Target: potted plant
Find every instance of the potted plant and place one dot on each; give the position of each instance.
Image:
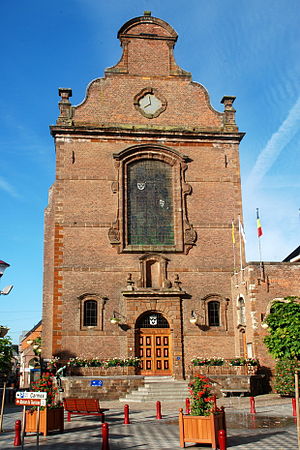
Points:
(52, 415)
(205, 420)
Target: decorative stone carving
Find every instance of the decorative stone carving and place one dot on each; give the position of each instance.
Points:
(65, 106)
(114, 233)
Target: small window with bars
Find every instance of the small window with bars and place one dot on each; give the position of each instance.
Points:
(90, 309)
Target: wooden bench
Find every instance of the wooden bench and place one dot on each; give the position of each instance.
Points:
(241, 392)
(83, 407)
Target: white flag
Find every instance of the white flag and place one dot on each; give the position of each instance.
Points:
(241, 231)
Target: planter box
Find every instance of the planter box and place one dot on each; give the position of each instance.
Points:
(50, 420)
(102, 371)
(201, 429)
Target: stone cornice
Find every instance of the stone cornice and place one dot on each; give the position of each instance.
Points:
(125, 131)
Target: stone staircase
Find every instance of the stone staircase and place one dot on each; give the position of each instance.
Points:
(159, 388)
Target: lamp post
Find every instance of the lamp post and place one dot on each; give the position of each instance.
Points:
(3, 332)
(37, 350)
(3, 267)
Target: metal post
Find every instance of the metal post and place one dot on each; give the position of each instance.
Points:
(126, 415)
(23, 426)
(158, 410)
(297, 404)
(222, 439)
(2, 406)
(38, 428)
(17, 440)
(252, 406)
(294, 408)
(105, 434)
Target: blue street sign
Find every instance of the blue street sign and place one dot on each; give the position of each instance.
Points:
(96, 383)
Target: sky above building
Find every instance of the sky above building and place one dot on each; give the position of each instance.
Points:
(241, 48)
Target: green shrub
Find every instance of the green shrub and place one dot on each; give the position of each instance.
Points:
(285, 376)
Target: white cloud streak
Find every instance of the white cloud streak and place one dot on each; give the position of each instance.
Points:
(285, 133)
(5, 186)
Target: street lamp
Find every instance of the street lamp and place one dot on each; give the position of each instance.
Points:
(3, 267)
(36, 345)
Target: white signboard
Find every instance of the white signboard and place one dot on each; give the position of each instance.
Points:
(30, 402)
(31, 395)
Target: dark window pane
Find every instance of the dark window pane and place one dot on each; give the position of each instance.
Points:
(214, 314)
(150, 203)
(90, 313)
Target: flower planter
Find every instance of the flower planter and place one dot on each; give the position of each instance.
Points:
(102, 371)
(201, 429)
(50, 420)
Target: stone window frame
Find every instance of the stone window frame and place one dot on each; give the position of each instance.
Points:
(223, 312)
(162, 263)
(100, 311)
(213, 313)
(90, 314)
(184, 234)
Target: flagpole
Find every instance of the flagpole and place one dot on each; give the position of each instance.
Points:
(233, 246)
(240, 239)
(259, 234)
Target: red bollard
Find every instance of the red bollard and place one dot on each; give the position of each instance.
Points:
(252, 406)
(222, 439)
(294, 407)
(105, 443)
(17, 441)
(158, 410)
(126, 415)
(187, 406)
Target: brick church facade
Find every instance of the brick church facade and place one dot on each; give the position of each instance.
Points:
(138, 231)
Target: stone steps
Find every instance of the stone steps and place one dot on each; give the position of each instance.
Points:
(158, 388)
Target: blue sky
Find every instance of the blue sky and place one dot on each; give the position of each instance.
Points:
(234, 47)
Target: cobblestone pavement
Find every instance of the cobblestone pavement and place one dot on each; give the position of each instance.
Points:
(272, 428)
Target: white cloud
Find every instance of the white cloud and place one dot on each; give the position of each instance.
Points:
(5, 186)
(285, 133)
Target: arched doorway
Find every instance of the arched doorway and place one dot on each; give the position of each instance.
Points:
(153, 344)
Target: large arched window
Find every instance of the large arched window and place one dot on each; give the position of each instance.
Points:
(150, 218)
(90, 310)
(151, 213)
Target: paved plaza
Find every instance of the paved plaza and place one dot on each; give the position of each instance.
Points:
(272, 428)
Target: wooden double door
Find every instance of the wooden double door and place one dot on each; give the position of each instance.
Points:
(154, 350)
